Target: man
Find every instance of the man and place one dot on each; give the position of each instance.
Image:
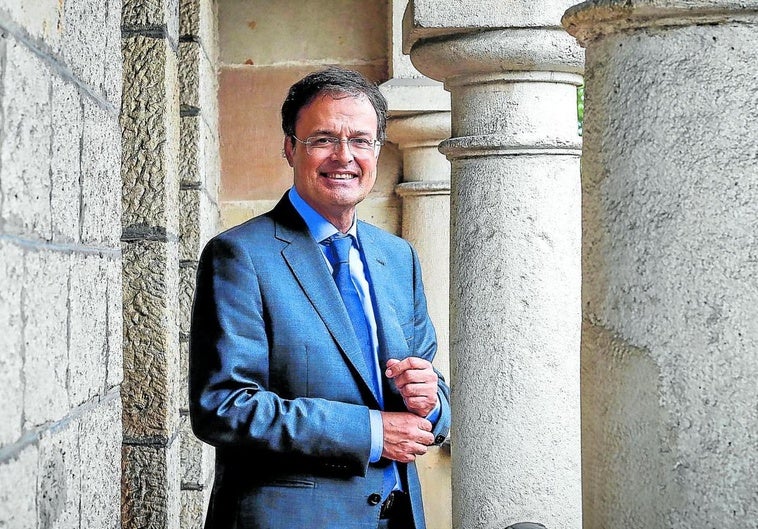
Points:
(311, 345)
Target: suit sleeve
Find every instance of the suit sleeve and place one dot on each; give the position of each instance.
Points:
(230, 401)
(425, 346)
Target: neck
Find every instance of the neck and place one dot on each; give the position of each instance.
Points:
(343, 221)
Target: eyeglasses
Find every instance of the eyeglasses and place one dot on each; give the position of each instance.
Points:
(359, 147)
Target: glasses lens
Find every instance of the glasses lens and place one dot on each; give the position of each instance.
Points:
(357, 146)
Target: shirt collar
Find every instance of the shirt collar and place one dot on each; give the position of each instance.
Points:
(319, 227)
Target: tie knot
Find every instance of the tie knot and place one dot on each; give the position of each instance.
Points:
(342, 245)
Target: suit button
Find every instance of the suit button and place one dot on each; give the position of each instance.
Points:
(374, 499)
(440, 439)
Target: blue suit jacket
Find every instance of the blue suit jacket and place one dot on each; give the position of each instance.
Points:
(278, 383)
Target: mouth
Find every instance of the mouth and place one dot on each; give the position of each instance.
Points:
(339, 176)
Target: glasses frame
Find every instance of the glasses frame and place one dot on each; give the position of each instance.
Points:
(358, 153)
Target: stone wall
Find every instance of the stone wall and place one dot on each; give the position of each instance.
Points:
(60, 263)
(199, 219)
(170, 172)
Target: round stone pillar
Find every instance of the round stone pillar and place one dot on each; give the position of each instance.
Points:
(670, 262)
(425, 191)
(515, 255)
(426, 224)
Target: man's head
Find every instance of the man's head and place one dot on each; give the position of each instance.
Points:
(336, 82)
(334, 122)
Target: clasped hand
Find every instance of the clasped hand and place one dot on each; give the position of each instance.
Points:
(408, 434)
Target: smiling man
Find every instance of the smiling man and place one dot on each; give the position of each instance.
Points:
(311, 346)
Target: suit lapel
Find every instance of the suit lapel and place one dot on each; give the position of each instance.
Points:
(306, 262)
(381, 274)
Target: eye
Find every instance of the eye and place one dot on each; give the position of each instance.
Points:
(362, 143)
(322, 141)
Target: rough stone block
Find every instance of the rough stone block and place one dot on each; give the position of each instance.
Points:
(84, 40)
(139, 14)
(194, 505)
(59, 483)
(11, 360)
(101, 179)
(18, 478)
(191, 153)
(197, 19)
(26, 138)
(88, 322)
(150, 487)
(189, 227)
(150, 123)
(211, 160)
(151, 339)
(100, 453)
(41, 19)
(112, 80)
(197, 457)
(184, 375)
(199, 222)
(197, 76)
(115, 359)
(45, 303)
(65, 163)
(186, 293)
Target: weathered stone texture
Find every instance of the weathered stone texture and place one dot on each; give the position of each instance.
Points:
(151, 336)
(26, 139)
(65, 162)
(197, 458)
(59, 485)
(150, 487)
(194, 504)
(669, 268)
(147, 14)
(18, 478)
(191, 151)
(115, 359)
(101, 178)
(199, 221)
(88, 328)
(100, 454)
(197, 19)
(45, 336)
(84, 44)
(186, 293)
(11, 360)
(197, 76)
(150, 124)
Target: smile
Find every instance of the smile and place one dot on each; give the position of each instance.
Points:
(339, 176)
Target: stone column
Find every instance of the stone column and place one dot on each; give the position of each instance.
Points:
(670, 263)
(426, 210)
(426, 224)
(199, 169)
(515, 225)
(150, 230)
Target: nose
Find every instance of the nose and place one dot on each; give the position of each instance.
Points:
(342, 151)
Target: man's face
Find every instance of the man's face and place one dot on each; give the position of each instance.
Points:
(333, 181)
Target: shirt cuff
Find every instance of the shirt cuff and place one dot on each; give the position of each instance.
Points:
(434, 415)
(377, 435)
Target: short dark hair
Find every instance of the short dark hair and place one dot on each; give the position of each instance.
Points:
(333, 81)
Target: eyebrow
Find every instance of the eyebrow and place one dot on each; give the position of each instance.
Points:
(325, 132)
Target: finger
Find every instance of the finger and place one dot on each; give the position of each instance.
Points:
(418, 389)
(410, 363)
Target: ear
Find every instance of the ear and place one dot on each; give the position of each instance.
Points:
(289, 150)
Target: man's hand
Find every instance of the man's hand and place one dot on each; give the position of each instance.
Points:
(417, 383)
(405, 436)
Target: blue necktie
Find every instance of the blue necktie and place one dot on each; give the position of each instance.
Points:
(346, 287)
(352, 300)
